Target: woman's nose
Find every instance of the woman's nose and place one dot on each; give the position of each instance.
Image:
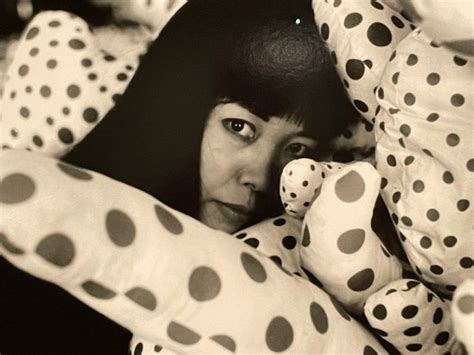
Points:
(259, 169)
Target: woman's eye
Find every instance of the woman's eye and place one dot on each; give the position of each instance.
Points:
(297, 149)
(240, 127)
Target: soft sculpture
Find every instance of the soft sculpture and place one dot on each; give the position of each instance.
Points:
(140, 241)
(61, 84)
(449, 23)
(462, 309)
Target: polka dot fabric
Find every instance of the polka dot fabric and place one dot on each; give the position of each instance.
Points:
(363, 263)
(61, 84)
(412, 318)
(462, 309)
(161, 274)
(361, 37)
(425, 155)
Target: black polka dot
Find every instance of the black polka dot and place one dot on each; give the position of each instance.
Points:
(380, 93)
(306, 237)
(122, 77)
(74, 172)
(73, 91)
(142, 297)
(414, 347)
(37, 141)
(368, 350)
(427, 152)
(181, 334)
(351, 241)
(51, 63)
(470, 165)
(204, 284)
(157, 348)
(28, 89)
(289, 242)
(391, 160)
(90, 115)
(65, 135)
(120, 228)
(392, 56)
(58, 249)
(436, 269)
(292, 195)
(92, 76)
(466, 262)
(34, 51)
(369, 64)
(459, 61)
(32, 33)
(138, 349)
(253, 242)
(305, 183)
(438, 316)
(397, 22)
(383, 183)
(432, 117)
(49, 121)
(380, 332)
(409, 99)
(355, 69)
(24, 112)
(86, 62)
(362, 280)
(76, 44)
(433, 79)
(412, 59)
(452, 139)
(409, 312)
(377, 5)
(396, 196)
(66, 111)
(97, 290)
(225, 341)
(241, 235)
(395, 219)
(53, 43)
(319, 317)
(253, 267)
(325, 31)
(450, 241)
(412, 331)
(352, 20)
(448, 178)
(334, 57)
(350, 187)
(168, 220)
(16, 188)
(425, 242)
(457, 100)
(109, 58)
(432, 214)
(279, 222)
(279, 335)
(462, 205)
(442, 338)
(379, 34)
(380, 312)
(361, 106)
(14, 133)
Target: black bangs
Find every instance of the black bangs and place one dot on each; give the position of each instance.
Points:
(277, 65)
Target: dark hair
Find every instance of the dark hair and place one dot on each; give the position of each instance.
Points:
(264, 54)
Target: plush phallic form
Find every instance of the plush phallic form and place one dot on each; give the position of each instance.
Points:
(61, 84)
(462, 309)
(160, 273)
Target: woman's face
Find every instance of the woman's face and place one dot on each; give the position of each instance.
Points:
(242, 156)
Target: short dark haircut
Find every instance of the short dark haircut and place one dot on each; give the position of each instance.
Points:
(266, 55)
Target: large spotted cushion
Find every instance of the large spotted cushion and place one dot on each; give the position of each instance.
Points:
(425, 155)
(462, 309)
(61, 83)
(412, 318)
(361, 36)
(337, 229)
(161, 274)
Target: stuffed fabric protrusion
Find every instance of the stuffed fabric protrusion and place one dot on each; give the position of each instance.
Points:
(425, 156)
(462, 310)
(60, 84)
(161, 274)
(412, 318)
(449, 23)
(337, 228)
(361, 36)
(300, 184)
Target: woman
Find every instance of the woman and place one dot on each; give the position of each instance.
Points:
(226, 96)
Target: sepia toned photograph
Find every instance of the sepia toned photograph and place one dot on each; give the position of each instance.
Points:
(236, 176)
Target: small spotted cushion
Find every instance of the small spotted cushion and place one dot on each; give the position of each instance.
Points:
(363, 264)
(462, 309)
(425, 155)
(60, 84)
(412, 318)
(161, 274)
(361, 36)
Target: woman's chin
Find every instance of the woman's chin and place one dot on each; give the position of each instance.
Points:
(218, 216)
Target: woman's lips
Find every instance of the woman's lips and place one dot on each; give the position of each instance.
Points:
(236, 213)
